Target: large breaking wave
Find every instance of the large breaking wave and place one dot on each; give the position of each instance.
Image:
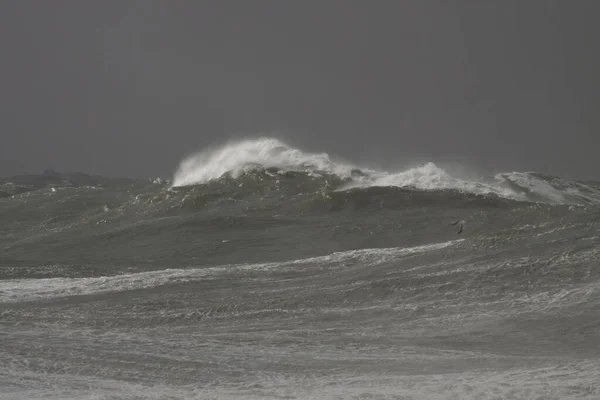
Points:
(236, 159)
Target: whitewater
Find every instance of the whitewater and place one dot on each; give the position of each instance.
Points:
(238, 157)
(263, 271)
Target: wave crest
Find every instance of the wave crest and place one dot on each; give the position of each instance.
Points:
(545, 188)
(235, 159)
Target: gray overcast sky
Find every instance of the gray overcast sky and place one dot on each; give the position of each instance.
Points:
(128, 88)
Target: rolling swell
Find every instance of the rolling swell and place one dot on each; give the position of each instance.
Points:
(272, 213)
(283, 274)
(268, 162)
(301, 192)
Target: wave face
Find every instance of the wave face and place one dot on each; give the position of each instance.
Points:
(263, 271)
(237, 159)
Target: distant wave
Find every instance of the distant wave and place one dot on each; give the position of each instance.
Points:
(235, 159)
(50, 178)
(545, 188)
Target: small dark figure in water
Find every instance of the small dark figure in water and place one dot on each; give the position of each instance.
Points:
(461, 226)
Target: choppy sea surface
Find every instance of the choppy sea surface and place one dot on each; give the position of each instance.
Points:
(264, 272)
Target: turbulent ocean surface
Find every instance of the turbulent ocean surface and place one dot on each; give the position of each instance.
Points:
(264, 272)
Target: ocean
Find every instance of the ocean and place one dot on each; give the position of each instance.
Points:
(260, 271)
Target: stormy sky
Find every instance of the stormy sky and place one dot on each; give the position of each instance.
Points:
(128, 88)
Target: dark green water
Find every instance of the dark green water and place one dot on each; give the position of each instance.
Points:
(277, 285)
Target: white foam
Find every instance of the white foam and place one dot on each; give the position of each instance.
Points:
(16, 290)
(556, 190)
(238, 157)
(431, 177)
(242, 156)
(560, 379)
